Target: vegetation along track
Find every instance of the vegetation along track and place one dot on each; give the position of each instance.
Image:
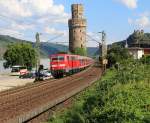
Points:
(20, 105)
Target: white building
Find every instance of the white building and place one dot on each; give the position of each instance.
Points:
(136, 52)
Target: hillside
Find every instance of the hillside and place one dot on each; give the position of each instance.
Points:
(6, 40)
(137, 39)
(46, 47)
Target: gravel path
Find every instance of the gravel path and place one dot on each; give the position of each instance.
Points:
(7, 82)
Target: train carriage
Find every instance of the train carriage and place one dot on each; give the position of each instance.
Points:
(64, 64)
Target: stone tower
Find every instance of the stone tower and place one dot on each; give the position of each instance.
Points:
(77, 28)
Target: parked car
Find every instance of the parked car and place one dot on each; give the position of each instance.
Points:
(43, 75)
(47, 73)
(30, 74)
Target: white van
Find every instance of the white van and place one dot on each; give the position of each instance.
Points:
(17, 69)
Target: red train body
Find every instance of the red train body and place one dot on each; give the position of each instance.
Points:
(64, 64)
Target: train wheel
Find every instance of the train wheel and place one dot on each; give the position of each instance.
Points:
(76, 70)
(58, 75)
(68, 74)
(61, 75)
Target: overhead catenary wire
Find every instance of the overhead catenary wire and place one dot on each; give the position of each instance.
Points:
(58, 36)
(92, 39)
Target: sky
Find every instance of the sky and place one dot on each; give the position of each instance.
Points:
(118, 18)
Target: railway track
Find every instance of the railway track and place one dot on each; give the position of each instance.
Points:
(24, 103)
(16, 89)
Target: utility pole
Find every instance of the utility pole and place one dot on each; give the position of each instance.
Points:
(104, 50)
(1, 53)
(37, 46)
(104, 45)
(100, 50)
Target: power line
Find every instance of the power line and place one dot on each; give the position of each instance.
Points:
(92, 39)
(58, 36)
(62, 42)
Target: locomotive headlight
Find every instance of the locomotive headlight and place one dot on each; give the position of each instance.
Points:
(62, 65)
(58, 65)
(54, 65)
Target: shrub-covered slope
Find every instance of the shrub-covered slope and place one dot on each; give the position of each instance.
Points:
(121, 96)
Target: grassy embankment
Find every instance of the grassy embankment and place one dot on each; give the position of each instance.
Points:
(121, 96)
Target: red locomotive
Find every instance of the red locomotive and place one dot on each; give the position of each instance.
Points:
(65, 64)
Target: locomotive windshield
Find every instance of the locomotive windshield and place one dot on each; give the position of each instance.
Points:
(59, 58)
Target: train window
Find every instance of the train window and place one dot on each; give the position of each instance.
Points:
(76, 58)
(54, 59)
(61, 58)
(81, 61)
(72, 58)
(68, 58)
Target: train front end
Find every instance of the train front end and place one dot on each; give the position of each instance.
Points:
(58, 65)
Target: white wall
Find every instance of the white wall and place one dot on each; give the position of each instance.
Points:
(136, 53)
(140, 54)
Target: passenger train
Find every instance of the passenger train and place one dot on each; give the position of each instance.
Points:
(66, 64)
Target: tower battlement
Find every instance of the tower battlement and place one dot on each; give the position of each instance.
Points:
(77, 10)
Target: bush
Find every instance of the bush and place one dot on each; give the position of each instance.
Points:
(80, 51)
(117, 54)
(146, 59)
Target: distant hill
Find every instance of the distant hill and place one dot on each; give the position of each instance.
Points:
(45, 47)
(4, 41)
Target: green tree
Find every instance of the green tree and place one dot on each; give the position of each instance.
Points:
(80, 51)
(117, 54)
(20, 54)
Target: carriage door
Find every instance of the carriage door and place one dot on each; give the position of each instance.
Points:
(68, 64)
(72, 61)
